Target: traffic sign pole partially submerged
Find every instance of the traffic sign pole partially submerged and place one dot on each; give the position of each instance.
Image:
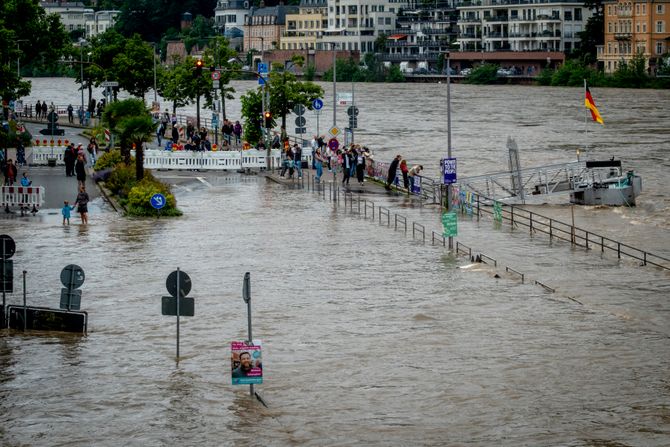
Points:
(178, 284)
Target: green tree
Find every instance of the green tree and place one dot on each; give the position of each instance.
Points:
(483, 74)
(632, 73)
(286, 92)
(28, 33)
(133, 68)
(182, 85)
(198, 34)
(131, 122)
(220, 55)
(594, 32)
(103, 48)
(309, 73)
(252, 110)
(394, 74)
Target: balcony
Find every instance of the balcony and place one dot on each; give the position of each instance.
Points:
(495, 36)
(496, 19)
(469, 36)
(623, 36)
(472, 19)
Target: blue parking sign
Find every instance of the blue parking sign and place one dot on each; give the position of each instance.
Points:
(449, 170)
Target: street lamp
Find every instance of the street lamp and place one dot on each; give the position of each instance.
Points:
(82, 42)
(334, 44)
(18, 57)
(451, 239)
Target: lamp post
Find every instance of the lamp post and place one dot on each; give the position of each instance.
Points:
(18, 57)
(451, 239)
(82, 42)
(334, 44)
(155, 92)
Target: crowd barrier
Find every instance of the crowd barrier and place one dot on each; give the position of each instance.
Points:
(219, 160)
(24, 197)
(42, 154)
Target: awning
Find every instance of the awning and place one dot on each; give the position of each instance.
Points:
(397, 36)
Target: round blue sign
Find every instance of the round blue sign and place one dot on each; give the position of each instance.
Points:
(317, 104)
(158, 201)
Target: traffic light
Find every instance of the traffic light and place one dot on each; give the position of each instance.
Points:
(198, 68)
(267, 116)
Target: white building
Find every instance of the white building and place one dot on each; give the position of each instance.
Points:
(514, 25)
(71, 14)
(75, 16)
(229, 17)
(99, 22)
(354, 25)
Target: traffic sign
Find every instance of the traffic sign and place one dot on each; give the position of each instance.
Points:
(184, 283)
(334, 131)
(352, 111)
(215, 84)
(353, 123)
(344, 98)
(109, 84)
(317, 104)
(72, 276)
(7, 246)
(6, 278)
(216, 75)
(186, 306)
(158, 201)
(300, 121)
(300, 130)
(299, 109)
(262, 67)
(70, 299)
(333, 144)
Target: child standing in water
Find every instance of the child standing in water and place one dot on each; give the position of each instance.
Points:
(66, 212)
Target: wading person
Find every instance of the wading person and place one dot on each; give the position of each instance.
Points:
(82, 204)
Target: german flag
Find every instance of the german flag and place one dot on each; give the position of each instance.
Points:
(591, 105)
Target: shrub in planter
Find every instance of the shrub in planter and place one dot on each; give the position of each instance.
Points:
(139, 199)
(121, 180)
(108, 160)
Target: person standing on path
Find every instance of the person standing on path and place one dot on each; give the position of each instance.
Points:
(175, 134)
(44, 110)
(416, 169)
(69, 158)
(38, 109)
(360, 166)
(393, 168)
(82, 204)
(80, 170)
(403, 170)
(297, 158)
(10, 172)
(318, 164)
(346, 167)
(70, 114)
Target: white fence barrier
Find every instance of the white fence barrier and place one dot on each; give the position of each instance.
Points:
(215, 160)
(42, 154)
(23, 197)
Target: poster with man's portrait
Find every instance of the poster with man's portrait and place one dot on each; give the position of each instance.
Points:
(246, 363)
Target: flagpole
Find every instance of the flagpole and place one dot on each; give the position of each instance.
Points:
(586, 128)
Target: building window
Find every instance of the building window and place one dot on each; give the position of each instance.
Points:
(659, 47)
(644, 27)
(660, 26)
(380, 21)
(568, 16)
(659, 9)
(578, 14)
(609, 27)
(388, 20)
(637, 27)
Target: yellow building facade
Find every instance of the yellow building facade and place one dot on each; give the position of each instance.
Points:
(635, 27)
(304, 28)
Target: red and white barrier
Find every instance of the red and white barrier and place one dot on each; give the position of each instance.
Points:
(24, 197)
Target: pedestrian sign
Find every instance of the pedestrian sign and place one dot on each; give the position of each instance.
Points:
(334, 131)
(317, 104)
(450, 224)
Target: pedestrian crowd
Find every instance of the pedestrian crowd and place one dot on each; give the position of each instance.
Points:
(76, 160)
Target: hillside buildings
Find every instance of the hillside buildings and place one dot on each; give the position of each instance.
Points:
(76, 17)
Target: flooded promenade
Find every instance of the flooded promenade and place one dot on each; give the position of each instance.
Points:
(369, 336)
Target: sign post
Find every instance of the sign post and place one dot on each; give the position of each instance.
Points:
(246, 296)
(178, 284)
(72, 277)
(317, 104)
(158, 201)
(450, 224)
(7, 249)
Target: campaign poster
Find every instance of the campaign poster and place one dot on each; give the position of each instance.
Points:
(246, 364)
